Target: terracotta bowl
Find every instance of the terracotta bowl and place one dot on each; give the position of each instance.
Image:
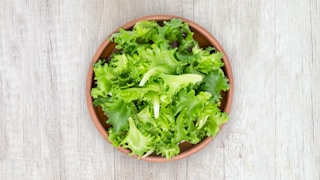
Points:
(204, 38)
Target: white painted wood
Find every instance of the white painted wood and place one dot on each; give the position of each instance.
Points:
(274, 127)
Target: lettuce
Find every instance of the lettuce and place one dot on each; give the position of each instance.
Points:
(159, 88)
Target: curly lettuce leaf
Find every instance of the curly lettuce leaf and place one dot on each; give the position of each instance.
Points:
(118, 112)
(104, 77)
(176, 82)
(137, 142)
(161, 60)
(214, 83)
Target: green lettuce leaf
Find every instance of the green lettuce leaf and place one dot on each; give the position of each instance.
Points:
(137, 142)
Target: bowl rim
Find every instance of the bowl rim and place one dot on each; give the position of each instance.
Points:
(159, 17)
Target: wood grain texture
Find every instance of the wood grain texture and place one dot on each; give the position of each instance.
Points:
(274, 127)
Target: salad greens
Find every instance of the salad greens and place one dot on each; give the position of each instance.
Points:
(159, 88)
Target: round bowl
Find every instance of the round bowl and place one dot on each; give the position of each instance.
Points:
(204, 39)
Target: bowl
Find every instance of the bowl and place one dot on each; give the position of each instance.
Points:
(204, 39)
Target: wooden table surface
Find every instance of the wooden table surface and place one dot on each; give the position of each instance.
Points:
(274, 127)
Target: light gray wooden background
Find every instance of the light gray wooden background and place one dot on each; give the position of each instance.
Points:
(274, 127)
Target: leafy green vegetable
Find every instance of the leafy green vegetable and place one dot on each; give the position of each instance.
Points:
(138, 143)
(214, 83)
(160, 89)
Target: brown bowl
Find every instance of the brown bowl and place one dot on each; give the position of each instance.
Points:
(106, 48)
